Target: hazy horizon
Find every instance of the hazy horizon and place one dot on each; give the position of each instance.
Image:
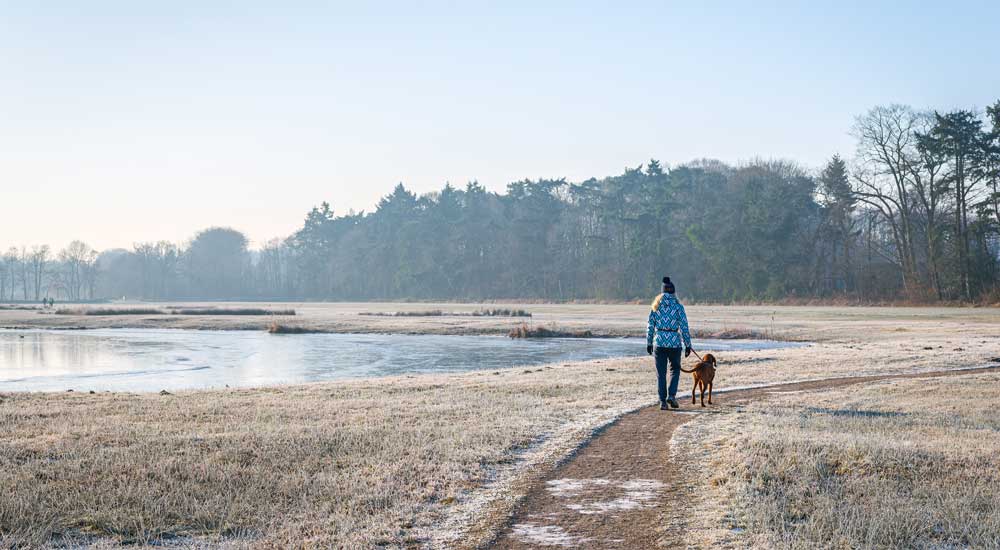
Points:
(127, 123)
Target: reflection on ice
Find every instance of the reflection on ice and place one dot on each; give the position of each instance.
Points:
(151, 360)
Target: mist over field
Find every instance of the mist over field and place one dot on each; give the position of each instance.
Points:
(914, 217)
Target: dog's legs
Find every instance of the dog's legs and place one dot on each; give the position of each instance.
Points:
(694, 389)
(702, 393)
(709, 393)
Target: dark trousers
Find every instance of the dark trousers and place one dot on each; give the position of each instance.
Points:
(662, 356)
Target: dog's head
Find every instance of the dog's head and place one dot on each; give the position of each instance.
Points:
(710, 359)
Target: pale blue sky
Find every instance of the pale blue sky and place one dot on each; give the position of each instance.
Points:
(128, 121)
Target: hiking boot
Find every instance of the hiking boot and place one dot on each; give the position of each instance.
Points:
(663, 405)
(673, 403)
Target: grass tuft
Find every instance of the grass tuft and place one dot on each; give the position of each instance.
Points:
(426, 313)
(525, 331)
(504, 312)
(229, 311)
(489, 312)
(278, 328)
(737, 333)
(111, 311)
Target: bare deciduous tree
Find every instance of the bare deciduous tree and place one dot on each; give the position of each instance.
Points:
(886, 149)
(38, 260)
(77, 261)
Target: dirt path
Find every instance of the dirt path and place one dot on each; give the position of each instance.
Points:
(622, 490)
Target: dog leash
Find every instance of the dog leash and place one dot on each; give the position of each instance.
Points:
(693, 351)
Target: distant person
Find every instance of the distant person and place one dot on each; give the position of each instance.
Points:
(666, 319)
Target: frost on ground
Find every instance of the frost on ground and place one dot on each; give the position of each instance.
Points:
(629, 494)
(589, 497)
(896, 464)
(478, 514)
(546, 535)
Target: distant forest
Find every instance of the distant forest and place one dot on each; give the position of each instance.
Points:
(913, 215)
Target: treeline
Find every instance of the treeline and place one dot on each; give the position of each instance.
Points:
(913, 216)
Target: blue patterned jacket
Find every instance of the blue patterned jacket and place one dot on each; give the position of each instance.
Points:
(666, 317)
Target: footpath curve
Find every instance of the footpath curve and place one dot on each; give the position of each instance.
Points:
(621, 490)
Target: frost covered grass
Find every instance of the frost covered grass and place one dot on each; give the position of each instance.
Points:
(485, 312)
(897, 464)
(229, 311)
(353, 465)
(103, 311)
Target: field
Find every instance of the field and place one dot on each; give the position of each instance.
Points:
(441, 461)
(896, 464)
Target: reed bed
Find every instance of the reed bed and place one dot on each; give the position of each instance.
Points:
(280, 328)
(230, 311)
(494, 312)
(526, 331)
(104, 311)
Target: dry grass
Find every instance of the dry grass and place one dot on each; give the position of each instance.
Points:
(485, 312)
(349, 465)
(104, 311)
(501, 312)
(526, 331)
(421, 313)
(281, 328)
(229, 311)
(901, 464)
(738, 333)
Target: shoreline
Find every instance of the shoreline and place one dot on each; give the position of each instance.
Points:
(528, 354)
(783, 323)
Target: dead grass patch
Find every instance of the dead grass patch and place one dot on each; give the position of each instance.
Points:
(103, 311)
(526, 331)
(229, 311)
(898, 464)
(486, 312)
(349, 465)
(280, 328)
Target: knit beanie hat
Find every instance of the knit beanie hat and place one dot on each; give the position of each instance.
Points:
(668, 286)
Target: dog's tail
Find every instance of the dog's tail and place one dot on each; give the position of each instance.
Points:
(698, 364)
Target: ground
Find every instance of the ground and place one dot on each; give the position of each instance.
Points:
(446, 461)
(785, 322)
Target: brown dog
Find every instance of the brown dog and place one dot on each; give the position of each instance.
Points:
(704, 373)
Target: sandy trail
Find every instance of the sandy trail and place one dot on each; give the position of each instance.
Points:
(623, 490)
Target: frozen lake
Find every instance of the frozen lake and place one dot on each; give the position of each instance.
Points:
(156, 359)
